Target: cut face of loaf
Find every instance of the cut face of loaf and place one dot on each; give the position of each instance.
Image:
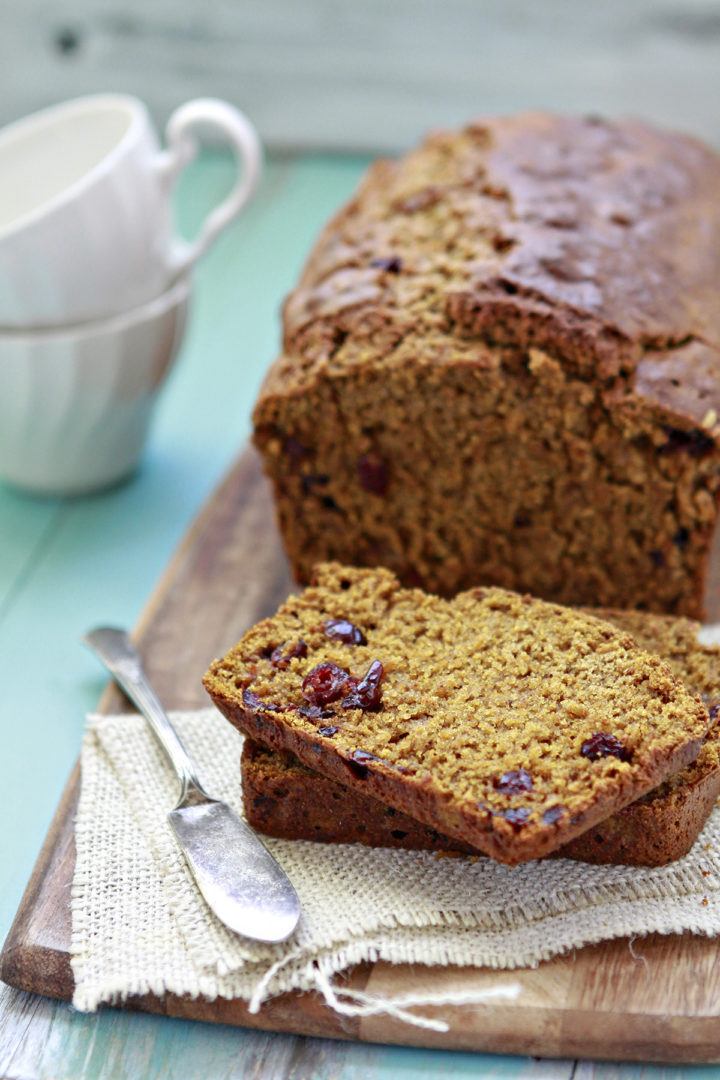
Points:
(501, 366)
(506, 722)
(286, 799)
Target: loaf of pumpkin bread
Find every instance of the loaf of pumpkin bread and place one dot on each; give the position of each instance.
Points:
(501, 365)
(506, 722)
(286, 799)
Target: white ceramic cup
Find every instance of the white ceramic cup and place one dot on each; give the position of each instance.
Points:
(85, 205)
(76, 403)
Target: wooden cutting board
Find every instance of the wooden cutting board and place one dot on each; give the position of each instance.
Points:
(657, 999)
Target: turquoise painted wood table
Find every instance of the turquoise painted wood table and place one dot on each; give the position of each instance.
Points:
(68, 564)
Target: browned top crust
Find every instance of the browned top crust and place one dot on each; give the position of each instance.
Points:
(597, 241)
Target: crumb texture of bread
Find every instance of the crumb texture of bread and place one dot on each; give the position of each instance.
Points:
(501, 365)
(509, 723)
(284, 798)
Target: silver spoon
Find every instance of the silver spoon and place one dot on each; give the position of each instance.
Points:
(240, 880)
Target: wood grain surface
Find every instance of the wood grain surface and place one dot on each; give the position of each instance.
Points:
(335, 74)
(657, 999)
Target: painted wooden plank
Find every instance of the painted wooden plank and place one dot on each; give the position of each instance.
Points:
(340, 74)
(593, 1070)
(26, 524)
(42, 1039)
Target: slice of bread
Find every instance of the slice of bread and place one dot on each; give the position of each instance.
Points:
(508, 723)
(284, 798)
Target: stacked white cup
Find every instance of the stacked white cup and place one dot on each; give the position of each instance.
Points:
(94, 287)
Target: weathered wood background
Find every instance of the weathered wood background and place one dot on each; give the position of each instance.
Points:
(370, 74)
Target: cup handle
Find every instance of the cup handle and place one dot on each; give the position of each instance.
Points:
(182, 147)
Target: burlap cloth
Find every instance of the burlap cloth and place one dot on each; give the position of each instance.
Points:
(139, 925)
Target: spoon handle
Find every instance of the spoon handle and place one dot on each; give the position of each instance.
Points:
(120, 657)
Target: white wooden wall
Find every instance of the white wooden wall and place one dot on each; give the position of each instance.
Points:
(370, 74)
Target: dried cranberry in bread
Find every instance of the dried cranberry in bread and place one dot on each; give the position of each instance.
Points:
(286, 799)
(502, 365)
(504, 721)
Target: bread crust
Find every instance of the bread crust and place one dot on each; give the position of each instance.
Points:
(422, 799)
(283, 798)
(572, 215)
(525, 267)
